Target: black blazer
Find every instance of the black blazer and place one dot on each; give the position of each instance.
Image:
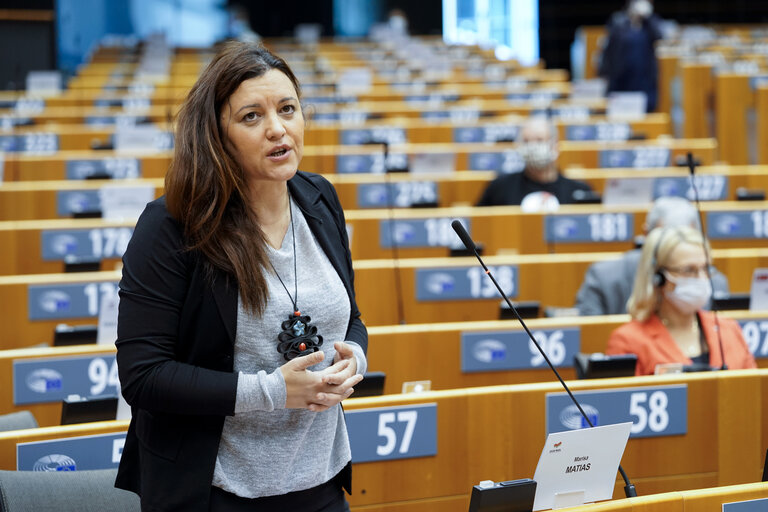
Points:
(175, 348)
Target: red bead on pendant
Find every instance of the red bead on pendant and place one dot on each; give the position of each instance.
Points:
(302, 346)
(297, 313)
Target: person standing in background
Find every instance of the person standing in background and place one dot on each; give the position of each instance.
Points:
(629, 59)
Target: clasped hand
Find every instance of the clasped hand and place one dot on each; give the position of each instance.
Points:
(320, 390)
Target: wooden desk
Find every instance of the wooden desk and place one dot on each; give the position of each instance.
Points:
(46, 413)
(408, 353)
(174, 93)
(733, 177)
(572, 154)
(550, 279)
(379, 108)
(720, 447)
(21, 167)
(19, 331)
(38, 200)
(325, 159)
(709, 455)
(77, 137)
(26, 251)
(506, 229)
(697, 500)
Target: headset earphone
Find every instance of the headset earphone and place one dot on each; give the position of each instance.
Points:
(659, 279)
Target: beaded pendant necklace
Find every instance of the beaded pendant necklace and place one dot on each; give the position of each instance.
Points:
(298, 337)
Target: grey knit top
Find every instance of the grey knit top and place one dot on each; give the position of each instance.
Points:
(266, 449)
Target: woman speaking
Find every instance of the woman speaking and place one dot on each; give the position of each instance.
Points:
(238, 331)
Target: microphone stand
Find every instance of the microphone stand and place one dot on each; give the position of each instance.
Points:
(629, 488)
(692, 171)
(392, 236)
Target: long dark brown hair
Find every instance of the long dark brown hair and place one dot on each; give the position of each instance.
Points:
(205, 187)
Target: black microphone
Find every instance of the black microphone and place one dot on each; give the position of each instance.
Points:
(692, 170)
(629, 488)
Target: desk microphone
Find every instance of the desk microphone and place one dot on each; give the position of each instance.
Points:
(692, 170)
(629, 488)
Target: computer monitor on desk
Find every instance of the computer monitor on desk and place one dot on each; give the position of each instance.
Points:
(371, 385)
(601, 366)
(77, 409)
(510, 496)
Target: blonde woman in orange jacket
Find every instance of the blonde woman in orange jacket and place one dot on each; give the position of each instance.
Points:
(668, 324)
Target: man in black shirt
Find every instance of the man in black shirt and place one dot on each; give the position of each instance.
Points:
(540, 186)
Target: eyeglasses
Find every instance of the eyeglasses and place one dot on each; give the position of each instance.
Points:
(689, 271)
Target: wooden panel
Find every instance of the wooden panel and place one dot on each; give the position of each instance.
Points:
(697, 99)
(738, 470)
(738, 176)
(761, 114)
(443, 504)
(76, 137)
(660, 461)
(764, 412)
(500, 229)
(9, 439)
(22, 241)
(426, 352)
(48, 413)
(592, 39)
(706, 500)
(322, 159)
(550, 279)
(699, 500)
(18, 331)
(669, 74)
(733, 99)
(432, 352)
(53, 167)
(385, 109)
(36, 200)
(469, 449)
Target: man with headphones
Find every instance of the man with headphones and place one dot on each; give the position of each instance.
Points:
(607, 285)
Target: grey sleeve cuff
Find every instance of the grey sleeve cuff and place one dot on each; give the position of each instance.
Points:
(362, 362)
(260, 391)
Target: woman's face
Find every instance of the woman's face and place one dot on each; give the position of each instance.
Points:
(264, 127)
(685, 260)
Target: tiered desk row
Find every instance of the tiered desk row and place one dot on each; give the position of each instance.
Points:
(704, 430)
(447, 354)
(453, 132)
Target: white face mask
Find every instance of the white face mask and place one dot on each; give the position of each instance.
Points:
(538, 155)
(690, 293)
(641, 8)
(398, 23)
